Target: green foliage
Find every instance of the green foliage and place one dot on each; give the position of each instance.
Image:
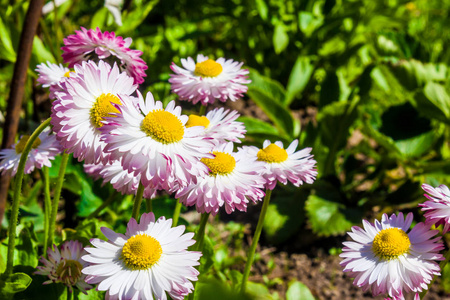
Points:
(15, 283)
(298, 291)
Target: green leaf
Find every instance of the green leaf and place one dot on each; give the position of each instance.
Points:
(6, 47)
(253, 126)
(299, 78)
(298, 291)
(99, 18)
(284, 217)
(258, 291)
(433, 102)
(262, 8)
(280, 38)
(327, 213)
(15, 283)
(26, 250)
(445, 281)
(88, 201)
(271, 88)
(330, 90)
(413, 74)
(279, 115)
(135, 18)
(207, 289)
(308, 23)
(40, 53)
(207, 259)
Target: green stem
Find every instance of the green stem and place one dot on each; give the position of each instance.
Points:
(137, 202)
(56, 196)
(442, 265)
(176, 213)
(200, 235)
(257, 234)
(200, 238)
(105, 203)
(149, 205)
(47, 206)
(202, 110)
(16, 196)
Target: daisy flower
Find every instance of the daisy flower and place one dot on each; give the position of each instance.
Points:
(437, 209)
(94, 45)
(155, 143)
(386, 257)
(44, 149)
(150, 259)
(209, 79)
(233, 180)
(220, 125)
(65, 266)
(285, 165)
(50, 75)
(120, 179)
(79, 111)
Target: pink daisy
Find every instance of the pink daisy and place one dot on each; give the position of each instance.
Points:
(233, 180)
(65, 266)
(208, 80)
(50, 75)
(285, 165)
(94, 45)
(220, 125)
(386, 257)
(120, 179)
(79, 111)
(150, 259)
(44, 149)
(155, 143)
(437, 210)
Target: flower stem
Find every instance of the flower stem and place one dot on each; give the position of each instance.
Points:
(149, 205)
(57, 195)
(176, 213)
(442, 265)
(257, 234)
(200, 238)
(137, 202)
(202, 110)
(16, 196)
(200, 235)
(47, 206)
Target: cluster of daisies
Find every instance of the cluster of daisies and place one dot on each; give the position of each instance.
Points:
(390, 258)
(135, 143)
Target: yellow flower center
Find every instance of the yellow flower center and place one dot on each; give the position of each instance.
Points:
(103, 108)
(208, 68)
(197, 121)
(23, 141)
(163, 126)
(391, 243)
(222, 164)
(272, 154)
(141, 252)
(67, 74)
(69, 271)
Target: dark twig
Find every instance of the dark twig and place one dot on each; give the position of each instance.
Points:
(18, 88)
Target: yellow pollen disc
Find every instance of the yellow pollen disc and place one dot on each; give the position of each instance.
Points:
(163, 126)
(208, 68)
(141, 252)
(272, 154)
(67, 74)
(103, 108)
(69, 271)
(391, 243)
(222, 164)
(23, 141)
(197, 121)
